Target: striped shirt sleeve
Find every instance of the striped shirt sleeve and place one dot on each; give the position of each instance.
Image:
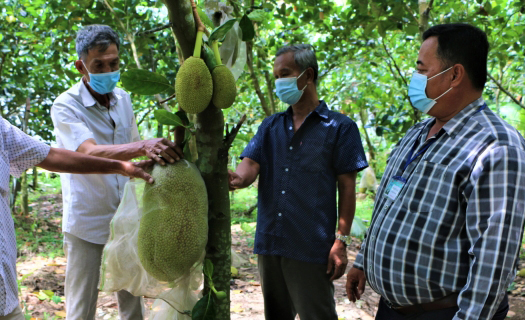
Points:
(494, 225)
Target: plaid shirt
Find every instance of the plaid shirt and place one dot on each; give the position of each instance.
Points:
(457, 223)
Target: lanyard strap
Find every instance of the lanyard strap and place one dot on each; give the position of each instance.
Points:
(431, 142)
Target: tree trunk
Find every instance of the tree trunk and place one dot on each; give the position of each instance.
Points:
(24, 199)
(35, 178)
(424, 11)
(212, 162)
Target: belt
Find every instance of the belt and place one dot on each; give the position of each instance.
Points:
(449, 301)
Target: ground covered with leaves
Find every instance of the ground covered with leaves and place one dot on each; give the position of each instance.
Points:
(41, 268)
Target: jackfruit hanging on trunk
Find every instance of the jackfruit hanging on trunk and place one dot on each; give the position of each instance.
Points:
(212, 162)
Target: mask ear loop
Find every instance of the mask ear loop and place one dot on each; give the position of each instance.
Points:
(440, 73)
(300, 76)
(443, 93)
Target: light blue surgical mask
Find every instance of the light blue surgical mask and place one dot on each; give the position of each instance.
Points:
(103, 82)
(417, 93)
(287, 91)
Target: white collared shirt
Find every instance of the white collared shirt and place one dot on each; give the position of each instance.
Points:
(91, 200)
(18, 152)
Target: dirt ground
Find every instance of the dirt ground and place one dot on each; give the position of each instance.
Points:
(42, 278)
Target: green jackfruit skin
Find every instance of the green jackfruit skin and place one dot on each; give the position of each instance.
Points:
(224, 89)
(174, 229)
(193, 85)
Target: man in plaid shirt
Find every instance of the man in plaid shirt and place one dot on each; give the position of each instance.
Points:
(448, 222)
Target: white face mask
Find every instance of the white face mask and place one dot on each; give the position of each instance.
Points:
(287, 91)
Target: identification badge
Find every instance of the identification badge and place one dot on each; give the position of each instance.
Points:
(394, 187)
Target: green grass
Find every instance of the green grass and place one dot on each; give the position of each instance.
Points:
(240, 202)
(35, 233)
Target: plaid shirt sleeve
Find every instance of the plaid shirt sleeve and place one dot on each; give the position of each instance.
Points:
(494, 225)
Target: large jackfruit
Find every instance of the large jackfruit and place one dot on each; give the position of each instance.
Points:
(224, 90)
(174, 229)
(193, 85)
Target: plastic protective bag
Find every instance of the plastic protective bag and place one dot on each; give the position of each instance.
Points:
(368, 180)
(121, 267)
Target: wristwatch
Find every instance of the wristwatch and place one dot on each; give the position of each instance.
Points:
(344, 239)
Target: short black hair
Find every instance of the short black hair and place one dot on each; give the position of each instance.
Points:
(464, 44)
(304, 56)
(95, 36)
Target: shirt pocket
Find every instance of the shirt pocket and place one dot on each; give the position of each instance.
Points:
(313, 155)
(432, 188)
(4, 173)
(125, 134)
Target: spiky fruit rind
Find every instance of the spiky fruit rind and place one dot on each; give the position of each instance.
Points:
(193, 85)
(174, 229)
(224, 89)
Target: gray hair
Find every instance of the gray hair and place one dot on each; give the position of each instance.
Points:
(95, 36)
(304, 56)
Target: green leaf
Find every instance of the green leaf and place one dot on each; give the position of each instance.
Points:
(220, 32)
(167, 118)
(248, 32)
(183, 116)
(208, 268)
(145, 82)
(56, 299)
(204, 18)
(257, 15)
(204, 309)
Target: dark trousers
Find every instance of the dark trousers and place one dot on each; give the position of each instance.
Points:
(386, 313)
(293, 287)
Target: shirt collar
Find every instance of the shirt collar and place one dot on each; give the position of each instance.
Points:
(454, 125)
(88, 100)
(321, 110)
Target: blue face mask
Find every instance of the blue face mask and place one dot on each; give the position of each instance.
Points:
(418, 95)
(286, 89)
(103, 82)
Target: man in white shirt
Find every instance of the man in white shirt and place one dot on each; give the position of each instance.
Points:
(96, 118)
(18, 152)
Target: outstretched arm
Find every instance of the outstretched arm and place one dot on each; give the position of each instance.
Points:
(62, 160)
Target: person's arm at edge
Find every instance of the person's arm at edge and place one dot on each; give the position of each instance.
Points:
(337, 259)
(62, 160)
(480, 298)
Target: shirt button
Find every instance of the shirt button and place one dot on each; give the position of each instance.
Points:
(279, 214)
(286, 169)
(370, 268)
(290, 128)
(283, 192)
(291, 147)
(372, 238)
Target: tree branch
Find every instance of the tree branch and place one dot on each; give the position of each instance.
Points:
(269, 88)
(394, 61)
(500, 86)
(167, 99)
(166, 26)
(144, 117)
(230, 136)
(412, 14)
(255, 80)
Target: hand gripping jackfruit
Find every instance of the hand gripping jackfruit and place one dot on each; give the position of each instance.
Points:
(224, 90)
(173, 231)
(193, 84)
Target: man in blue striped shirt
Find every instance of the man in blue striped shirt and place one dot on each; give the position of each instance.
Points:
(448, 221)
